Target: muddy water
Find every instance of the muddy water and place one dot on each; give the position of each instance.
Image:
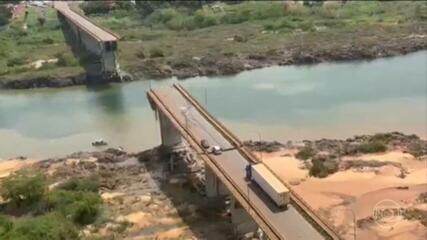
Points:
(331, 100)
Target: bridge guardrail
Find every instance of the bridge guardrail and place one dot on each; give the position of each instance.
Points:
(251, 157)
(220, 173)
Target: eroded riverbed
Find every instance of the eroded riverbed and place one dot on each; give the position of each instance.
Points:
(333, 100)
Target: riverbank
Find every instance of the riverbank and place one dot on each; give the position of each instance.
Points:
(358, 180)
(150, 48)
(141, 197)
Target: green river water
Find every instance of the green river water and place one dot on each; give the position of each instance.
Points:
(328, 100)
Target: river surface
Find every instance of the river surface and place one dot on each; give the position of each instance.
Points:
(328, 100)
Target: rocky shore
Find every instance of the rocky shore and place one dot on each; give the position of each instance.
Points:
(233, 63)
(50, 82)
(142, 198)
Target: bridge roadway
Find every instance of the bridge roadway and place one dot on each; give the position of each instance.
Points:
(229, 167)
(95, 31)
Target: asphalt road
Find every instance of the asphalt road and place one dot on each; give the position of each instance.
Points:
(289, 224)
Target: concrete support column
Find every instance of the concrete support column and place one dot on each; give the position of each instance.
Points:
(171, 137)
(242, 221)
(214, 187)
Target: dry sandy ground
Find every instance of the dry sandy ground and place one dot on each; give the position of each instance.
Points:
(9, 166)
(344, 192)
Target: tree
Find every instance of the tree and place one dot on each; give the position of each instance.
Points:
(5, 14)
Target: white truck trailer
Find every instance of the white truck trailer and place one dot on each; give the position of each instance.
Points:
(269, 183)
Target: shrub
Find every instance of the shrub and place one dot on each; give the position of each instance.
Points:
(5, 225)
(82, 207)
(66, 60)
(417, 149)
(24, 187)
(140, 54)
(5, 15)
(156, 52)
(372, 147)
(96, 7)
(305, 153)
(48, 227)
(382, 137)
(203, 19)
(48, 40)
(15, 61)
(85, 184)
(318, 169)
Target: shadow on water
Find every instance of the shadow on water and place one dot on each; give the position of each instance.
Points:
(89, 61)
(206, 217)
(109, 98)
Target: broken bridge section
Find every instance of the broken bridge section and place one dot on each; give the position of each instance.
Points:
(95, 46)
(184, 123)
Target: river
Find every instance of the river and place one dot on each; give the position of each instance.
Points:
(327, 100)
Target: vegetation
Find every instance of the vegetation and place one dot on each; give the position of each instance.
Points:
(47, 215)
(416, 214)
(305, 153)
(85, 184)
(322, 169)
(41, 39)
(257, 28)
(51, 226)
(372, 147)
(24, 188)
(5, 15)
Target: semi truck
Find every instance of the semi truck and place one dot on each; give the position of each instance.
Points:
(265, 179)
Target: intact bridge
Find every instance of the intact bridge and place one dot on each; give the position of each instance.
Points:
(184, 123)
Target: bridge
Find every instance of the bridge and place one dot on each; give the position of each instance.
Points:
(98, 43)
(184, 123)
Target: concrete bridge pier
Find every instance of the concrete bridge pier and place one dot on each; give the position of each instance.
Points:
(214, 186)
(242, 221)
(170, 136)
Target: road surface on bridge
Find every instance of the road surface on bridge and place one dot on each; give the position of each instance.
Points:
(97, 32)
(286, 224)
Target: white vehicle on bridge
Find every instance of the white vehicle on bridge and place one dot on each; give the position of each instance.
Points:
(216, 150)
(269, 183)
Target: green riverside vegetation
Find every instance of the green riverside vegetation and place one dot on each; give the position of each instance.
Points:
(174, 32)
(32, 212)
(19, 47)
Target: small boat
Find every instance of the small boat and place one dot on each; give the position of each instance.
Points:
(99, 142)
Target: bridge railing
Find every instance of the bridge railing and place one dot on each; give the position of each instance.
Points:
(324, 225)
(156, 102)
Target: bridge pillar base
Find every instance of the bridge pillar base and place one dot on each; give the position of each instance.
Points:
(242, 221)
(171, 137)
(214, 187)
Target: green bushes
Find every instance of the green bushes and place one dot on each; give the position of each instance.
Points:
(305, 153)
(82, 207)
(203, 19)
(5, 15)
(49, 215)
(372, 147)
(96, 7)
(24, 188)
(66, 60)
(156, 52)
(15, 61)
(85, 184)
(48, 227)
(322, 169)
(6, 225)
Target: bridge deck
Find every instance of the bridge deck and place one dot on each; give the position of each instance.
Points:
(286, 224)
(94, 30)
